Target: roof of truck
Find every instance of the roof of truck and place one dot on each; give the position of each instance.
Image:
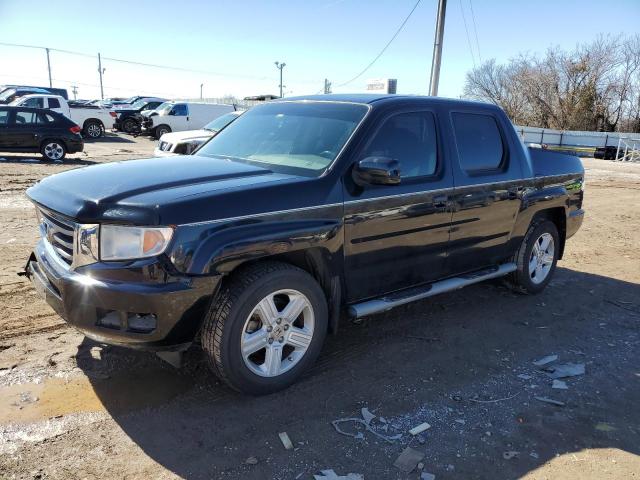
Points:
(370, 98)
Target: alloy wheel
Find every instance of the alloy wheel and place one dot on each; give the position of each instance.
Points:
(542, 257)
(54, 151)
(277, 333)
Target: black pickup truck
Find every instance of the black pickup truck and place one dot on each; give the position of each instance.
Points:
(298, 213)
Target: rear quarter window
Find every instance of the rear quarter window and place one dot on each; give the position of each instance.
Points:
(54, 103)
(480, 146)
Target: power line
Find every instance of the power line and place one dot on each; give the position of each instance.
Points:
(385, 47)
(475, 30)
(473, 57)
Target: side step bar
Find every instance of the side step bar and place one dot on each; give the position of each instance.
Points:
(403, 297)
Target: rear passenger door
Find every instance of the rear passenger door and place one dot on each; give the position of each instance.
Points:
(25, 129)
(396, 236)
(488, 186)
(4, 124)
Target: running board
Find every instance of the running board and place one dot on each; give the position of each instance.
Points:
(403, 297)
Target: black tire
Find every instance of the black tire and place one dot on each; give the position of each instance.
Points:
(53, 150)
(161, 130)
(523, 280)
(224, 324)
(93, 129)
(130, 125)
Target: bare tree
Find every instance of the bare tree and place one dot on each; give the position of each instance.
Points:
(594, 87)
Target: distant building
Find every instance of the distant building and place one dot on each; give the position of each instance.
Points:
(382, 85)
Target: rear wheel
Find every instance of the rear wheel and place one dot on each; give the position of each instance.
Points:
(53, 150)
(536, 258)
(93, 129)
(265, 327)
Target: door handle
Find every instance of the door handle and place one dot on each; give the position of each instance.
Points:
(441, 201)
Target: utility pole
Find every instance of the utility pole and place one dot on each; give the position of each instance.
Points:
(101, 71)
(49, 68)
(327, 86)
(437, 49)
(74, 89)
(280, 66)
(201, 90)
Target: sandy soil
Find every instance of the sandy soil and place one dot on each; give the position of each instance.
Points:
(461, 362)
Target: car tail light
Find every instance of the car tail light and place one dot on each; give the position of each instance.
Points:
(75, 129)
(113, 114)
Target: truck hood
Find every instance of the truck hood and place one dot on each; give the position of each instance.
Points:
(177, 137)
(154, 191)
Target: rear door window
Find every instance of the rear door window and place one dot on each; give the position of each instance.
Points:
(4, 117)
(24, 117)
(54, 103)
(480, 146)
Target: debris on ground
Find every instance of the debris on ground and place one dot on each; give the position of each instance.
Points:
(566, 370)
(251, 461)
(419, 428)
(286, 441)
(331, 475)
(365, 421)
(523, 376)
(367, 416)
(559, 385)
(605, 427)
(550, 401)
(408, 460)
(545, 360)
(427, 476)
(510, 454)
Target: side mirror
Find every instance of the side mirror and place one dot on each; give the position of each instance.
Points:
(376, 171)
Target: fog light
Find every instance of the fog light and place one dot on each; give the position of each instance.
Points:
(142, 322)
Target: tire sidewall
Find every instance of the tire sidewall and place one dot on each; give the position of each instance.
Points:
(236, 370)
(523, 262)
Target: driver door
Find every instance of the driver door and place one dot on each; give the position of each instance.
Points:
(396, 236)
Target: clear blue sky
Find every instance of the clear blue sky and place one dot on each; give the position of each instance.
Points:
(242, 38)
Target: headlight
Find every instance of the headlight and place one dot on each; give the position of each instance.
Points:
(129, 243)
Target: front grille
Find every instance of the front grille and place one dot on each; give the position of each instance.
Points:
(59, 232)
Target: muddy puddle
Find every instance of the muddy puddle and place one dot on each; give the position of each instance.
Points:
(54, 397)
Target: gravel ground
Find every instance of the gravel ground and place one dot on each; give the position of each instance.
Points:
(462, 362)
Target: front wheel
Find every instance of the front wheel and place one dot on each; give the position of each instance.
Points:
(161, 130)
(265, 327)
(536, 258)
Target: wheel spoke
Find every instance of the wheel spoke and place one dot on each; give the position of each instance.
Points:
(267, 310)
(299, 338)
(546, 240)
(294, 308)
(273, 360)
(547, 259)
(533, 263)
(252, 342)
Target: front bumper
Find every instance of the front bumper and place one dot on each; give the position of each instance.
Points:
(109, 303)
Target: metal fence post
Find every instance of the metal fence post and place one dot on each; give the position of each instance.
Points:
(561, 134)
(541, 136)
(618, 149)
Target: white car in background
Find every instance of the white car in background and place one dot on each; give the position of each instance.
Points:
(185, 143)
(93, 120)
(181, 116)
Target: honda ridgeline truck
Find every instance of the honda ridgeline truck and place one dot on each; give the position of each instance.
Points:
(300, 210)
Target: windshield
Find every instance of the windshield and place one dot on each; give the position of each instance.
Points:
(221, 122)
(130, 100)
(164, 108)
(289, 137)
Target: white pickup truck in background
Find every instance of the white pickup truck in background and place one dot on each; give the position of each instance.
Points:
(93, 120)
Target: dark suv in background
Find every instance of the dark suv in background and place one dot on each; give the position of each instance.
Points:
(38, 130)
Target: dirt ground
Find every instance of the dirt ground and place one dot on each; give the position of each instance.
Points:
(463, 362)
